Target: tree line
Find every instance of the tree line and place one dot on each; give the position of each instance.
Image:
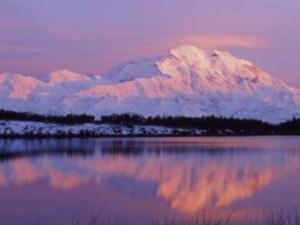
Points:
(211, 124)
(65, 119)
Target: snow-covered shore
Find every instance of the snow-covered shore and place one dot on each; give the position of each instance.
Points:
(29, 128)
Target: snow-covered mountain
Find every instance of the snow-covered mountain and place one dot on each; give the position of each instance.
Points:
(186, 81)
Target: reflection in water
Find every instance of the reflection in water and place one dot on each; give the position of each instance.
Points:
(189, 175)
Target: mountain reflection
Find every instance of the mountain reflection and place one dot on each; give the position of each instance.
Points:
(189, 176)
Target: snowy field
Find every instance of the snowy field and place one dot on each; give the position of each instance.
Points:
(20, 128)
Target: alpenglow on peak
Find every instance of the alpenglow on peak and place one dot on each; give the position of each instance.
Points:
(186, 81)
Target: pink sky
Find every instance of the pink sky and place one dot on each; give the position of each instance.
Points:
(37, 37)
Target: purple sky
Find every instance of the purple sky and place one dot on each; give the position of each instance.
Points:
(38, 36)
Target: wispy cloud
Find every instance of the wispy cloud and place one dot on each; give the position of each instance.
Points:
(201, 41)
(226, 41)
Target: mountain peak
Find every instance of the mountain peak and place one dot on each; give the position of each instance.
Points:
(216, 59)
(61, 76)
(187, 51)
(16, 86)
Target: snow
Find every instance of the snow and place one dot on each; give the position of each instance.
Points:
(140, 68)
(187, 81)
(63, 76)
(20, 128)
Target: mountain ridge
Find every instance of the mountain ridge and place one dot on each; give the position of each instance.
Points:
(186, 81)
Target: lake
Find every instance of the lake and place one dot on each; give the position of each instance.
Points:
(137, 180)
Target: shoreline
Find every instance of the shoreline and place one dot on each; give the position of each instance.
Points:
(12, 129)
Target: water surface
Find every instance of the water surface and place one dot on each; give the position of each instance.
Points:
(137, 179)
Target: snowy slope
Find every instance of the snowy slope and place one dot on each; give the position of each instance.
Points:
(186, 81)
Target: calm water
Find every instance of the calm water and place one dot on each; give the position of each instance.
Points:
(59, 181)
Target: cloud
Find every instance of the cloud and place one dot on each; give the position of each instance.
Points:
(226, 41)
(62, 47)
(201, 41)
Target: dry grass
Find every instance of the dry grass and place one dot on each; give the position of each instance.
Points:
(274, 218)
